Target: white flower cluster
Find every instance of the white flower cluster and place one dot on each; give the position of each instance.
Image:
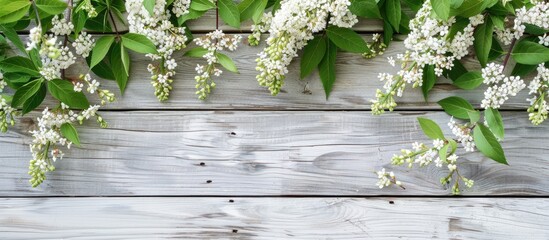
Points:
(386, 179)
(539, 89)
(88, 7)
(6, 114)
(291, 27)
(260, 28)
(55, 58)
(61, 26)
(428, 43)
(500, 86)
(213, 42)
(35, 37)
(47, 139)
(3, 83)
(83, 44)
(537, 15)
(544, 40)
(181, 7)
(167, 38)
(377, 47)
(463, 133)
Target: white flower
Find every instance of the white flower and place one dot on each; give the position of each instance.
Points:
(78, 87)
(539, 90)
(35, 38)
(61, 26)
(84, 44)
(463, 134)
(438, 144)
(92, 86)
(500, 87)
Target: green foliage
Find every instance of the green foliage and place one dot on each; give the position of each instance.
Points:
(50, 7)
(327, 69)
(228, 11)
(226, 62)
(483, 41)
(138, 43)
(118, 66)
(393, 13)
(365, 8)
(69, 132)
(459, 108)
(530, 53)
(487, 144)
(63, 91)
(430, 128)
(252, 9)
(13, 10)
(196, 52)
(18, 64)
(347, 39)
(441, 8)
(495, 122)
(149, 5)
(25, 92)
(469, 80)
(429, 79)
(202, 5)
(35, 99)
(101, 49)
(313, 54)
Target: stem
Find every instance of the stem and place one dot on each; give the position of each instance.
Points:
(216, 16)
(36, 14)
(114, 24)
(508, 55)
(66, 40)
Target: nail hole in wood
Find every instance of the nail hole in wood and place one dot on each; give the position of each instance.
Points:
(209, 181)
(235, 231)
(233, 133)
(231, 201)
(202, 164)
(391, 202)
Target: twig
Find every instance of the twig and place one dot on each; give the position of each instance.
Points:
(509, 53)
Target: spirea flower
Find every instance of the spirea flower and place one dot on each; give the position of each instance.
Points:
(35, 38)
(386, 179)
(167, 38)
(464, 134)
(291, 27)
(213, 43)
(259, 28)
(83, 44)
(428, 43)
(55, 57)
(181, 7)
(539, 90)
(500, 87)
(60, 26)
(47, 140)
(537, 15)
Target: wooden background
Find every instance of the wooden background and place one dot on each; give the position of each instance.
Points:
(247, 165)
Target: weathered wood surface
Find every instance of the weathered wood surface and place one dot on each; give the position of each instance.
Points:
(266, 153)
(355, 86)
(273, 218)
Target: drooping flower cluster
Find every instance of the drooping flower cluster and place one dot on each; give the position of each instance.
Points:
(428, 43)
(291, 27)
(61, 26)
(47, 139)
(7, 114)
(423, 155)
(537, 15)
(377, 47)
(213, 43)
(83, 44)
(500, 86)
(539, 89)
(167, 38)
(260, 28)
(464, 134)
(181, 7)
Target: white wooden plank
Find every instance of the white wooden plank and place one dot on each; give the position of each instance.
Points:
(265, 153)
(274, 218)
(355, 86)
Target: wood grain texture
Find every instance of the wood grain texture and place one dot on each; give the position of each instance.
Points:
(266, 153)
(273, 218)
(355, 86)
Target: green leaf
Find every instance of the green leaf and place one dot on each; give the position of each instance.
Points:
(101, 49)
(138, 43)
(469, 80)
(16, 80)
(196, 52)
(495, 122)
(456, 71)
(79, 21)
(496, 51)
(63, 91)
(365, 8)
(498, 21)
(483, 41)
(226, 62)
(457, 107)
(125, 60)
(530, 53)
(327, 68)
(103, 69)
(441, 8)
(149, 6)
(13, 10)
(312, 55)
(118, 68)
(430, 128)
(35, 100)
(25, 92)
(228, 11)
(522, 70)
(468, 8)
(429, 79)
(19, 64)
(69, 132)
(535, 30)
(250, 9)
(487, 144)
(13, 37)
(202, 5)
(193, 14)
(347, 39)
(393, 13)
(51, 7)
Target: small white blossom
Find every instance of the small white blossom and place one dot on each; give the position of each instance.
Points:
(500, 87)
(60, 26)
(84, 44)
